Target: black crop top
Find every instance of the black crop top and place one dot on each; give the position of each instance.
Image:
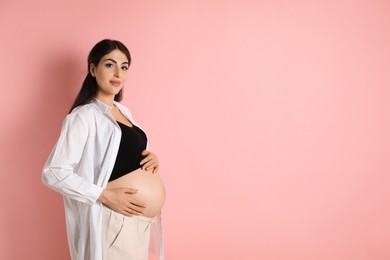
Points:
(133, 142)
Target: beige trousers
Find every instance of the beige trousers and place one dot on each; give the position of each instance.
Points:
(125, 238)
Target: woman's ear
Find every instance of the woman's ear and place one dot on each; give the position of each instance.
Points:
(92, 69)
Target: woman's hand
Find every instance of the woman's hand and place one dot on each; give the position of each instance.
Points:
(150, 162)
(122, 201)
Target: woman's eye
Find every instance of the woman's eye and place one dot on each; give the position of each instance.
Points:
(109, 65)
(125, 68)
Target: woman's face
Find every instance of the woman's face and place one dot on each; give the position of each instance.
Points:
(111, 73)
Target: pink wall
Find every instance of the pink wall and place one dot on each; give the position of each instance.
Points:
(271, 120)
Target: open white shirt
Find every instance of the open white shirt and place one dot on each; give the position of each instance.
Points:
(79, 167)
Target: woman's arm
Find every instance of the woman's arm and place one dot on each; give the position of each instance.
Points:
(122, 200)
(59, 171)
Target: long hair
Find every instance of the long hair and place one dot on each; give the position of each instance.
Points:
(89, 87)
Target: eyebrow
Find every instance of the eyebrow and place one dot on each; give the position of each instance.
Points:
(116, 62)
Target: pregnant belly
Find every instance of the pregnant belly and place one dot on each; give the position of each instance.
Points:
(150, 188)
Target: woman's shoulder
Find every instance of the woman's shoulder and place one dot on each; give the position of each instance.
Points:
(85, 113)
(83, 110)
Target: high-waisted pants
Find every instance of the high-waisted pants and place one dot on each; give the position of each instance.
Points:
(125, 238)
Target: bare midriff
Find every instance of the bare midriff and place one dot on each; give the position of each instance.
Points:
(150, 188)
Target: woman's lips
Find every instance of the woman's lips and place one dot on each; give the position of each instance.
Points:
(115, 82)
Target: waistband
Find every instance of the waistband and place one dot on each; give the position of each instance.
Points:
(138, 217)
(142, 218)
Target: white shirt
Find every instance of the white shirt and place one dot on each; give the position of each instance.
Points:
(79, 167)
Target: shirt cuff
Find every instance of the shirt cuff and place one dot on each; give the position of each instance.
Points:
(94, 193)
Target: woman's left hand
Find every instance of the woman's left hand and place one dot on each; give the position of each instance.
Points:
(150, 162)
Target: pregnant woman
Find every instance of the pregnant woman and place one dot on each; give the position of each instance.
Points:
(113, 193)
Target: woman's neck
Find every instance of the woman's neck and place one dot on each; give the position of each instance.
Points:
(106, 100)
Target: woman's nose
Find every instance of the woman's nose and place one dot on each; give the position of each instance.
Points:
(116, 71)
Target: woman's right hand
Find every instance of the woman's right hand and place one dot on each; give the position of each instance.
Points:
(122, 201)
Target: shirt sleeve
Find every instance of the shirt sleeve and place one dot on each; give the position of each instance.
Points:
(59, 171)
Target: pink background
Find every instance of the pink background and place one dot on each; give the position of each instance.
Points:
(270, 118)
